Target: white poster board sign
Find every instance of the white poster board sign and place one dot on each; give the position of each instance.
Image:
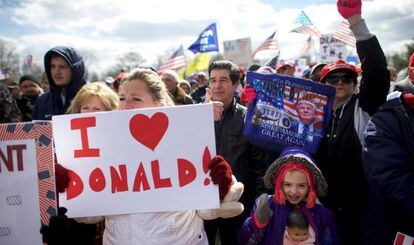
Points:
(239, 51)
(19, 201)
(331, 49)
(135, 161)
(27, 184)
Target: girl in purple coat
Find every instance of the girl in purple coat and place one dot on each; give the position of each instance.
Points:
(297, 183)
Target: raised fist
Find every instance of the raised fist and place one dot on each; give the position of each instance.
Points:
(348, 8)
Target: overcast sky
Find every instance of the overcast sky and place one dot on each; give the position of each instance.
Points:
(110, 28)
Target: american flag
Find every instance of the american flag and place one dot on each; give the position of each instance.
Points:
(273, 61)
(344, 34)
(307, 46)
(243, 43)
(306, 26)
(269, 44)
(290, 101)
(270, 66)
(175, 62)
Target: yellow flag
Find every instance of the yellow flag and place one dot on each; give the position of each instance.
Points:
(181, 72)
(199, 63)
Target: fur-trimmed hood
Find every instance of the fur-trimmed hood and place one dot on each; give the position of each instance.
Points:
(299, 155)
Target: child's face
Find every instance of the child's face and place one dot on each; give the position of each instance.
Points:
(297, 234)
(295, 186)
(92, 104)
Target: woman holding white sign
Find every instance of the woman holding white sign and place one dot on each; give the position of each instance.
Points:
(92, 97)
(143, 88)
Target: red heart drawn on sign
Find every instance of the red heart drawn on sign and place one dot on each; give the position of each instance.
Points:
(149, 131)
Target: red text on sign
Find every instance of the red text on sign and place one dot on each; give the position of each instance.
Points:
(8, 159)
(187, 173)
(83, 124)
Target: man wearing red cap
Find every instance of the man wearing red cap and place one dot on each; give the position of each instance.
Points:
(407, 85)
(117, 81)
(340, 153)
(287, 69)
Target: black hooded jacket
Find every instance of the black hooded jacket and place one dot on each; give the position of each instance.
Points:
(340, 154)
(51, 103)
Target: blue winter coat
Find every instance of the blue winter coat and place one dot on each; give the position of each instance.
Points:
(388, 156)
(51, 103)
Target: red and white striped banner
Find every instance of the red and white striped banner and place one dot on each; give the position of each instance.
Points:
(403, 239)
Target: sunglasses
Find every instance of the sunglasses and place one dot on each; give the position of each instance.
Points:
(335, 79)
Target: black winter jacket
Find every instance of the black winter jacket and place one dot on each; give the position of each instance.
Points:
(340, 153)
(244, 158)
(246, 165)
(389, 165)
(51, 103)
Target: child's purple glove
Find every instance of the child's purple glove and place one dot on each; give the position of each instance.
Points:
(263, 212)
(348, 8)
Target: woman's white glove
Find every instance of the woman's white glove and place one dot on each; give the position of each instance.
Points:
(229, 206)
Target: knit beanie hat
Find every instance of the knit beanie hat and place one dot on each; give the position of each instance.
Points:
(29, 77)
(295, 158)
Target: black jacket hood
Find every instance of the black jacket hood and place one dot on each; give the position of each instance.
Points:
(75, 61)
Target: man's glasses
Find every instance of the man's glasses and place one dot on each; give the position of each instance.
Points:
(333, 80)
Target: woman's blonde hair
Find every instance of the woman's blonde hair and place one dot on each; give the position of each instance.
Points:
(109, 98)
(184, 82)
(155, 85)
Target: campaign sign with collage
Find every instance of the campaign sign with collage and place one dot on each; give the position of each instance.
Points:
(288, 111)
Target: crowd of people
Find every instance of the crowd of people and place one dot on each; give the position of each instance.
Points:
(357, 189)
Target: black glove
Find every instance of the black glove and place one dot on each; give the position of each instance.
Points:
(58, 230)
(65, 231)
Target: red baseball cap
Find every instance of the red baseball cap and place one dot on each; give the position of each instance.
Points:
(336, 66)
(288, 63)
(120, 76)
(411, 62)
